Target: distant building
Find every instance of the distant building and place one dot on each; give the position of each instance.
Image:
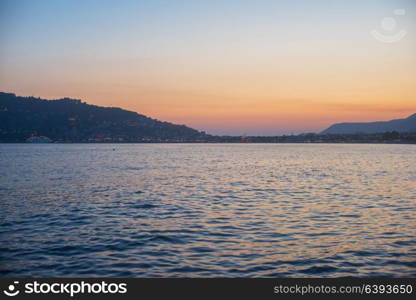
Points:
(38, 140)
(99, 138)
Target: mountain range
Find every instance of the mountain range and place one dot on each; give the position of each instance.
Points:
(71, 120)
(75, 121)
(399, 125)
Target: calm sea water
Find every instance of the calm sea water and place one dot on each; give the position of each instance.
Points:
(189, 210)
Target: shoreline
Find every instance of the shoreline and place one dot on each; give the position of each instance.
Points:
(193, 142)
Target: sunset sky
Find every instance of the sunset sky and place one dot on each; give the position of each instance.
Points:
(227, 67)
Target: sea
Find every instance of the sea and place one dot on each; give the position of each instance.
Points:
(207, 210)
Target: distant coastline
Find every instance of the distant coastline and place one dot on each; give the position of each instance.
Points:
(35, 120)
(385, 138)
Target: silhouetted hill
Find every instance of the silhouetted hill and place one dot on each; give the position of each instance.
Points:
(399, 125)
(75, 121)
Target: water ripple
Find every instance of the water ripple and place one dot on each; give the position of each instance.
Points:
(208, 210)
